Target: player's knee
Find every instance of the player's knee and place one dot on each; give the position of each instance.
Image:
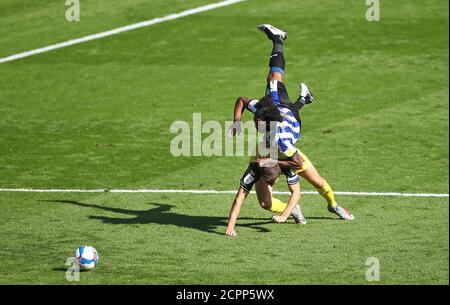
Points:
(313, 177)
(265, 204)
(318, 183)
(274, 76)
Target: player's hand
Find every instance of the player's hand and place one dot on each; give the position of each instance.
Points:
(234, 129)
(279, 219)
(230, 232)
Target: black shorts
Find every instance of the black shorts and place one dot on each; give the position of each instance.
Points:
(250, 177)
(284, 100)
(282, 92)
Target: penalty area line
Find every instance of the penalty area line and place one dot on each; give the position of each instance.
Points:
(120, 30)
(173, 191)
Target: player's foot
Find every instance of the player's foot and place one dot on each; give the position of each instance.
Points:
(272, 32)
(341, 212)
(298, 216)
(305, 94)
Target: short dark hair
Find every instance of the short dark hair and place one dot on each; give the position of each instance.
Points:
(267, 111)
(270, 171)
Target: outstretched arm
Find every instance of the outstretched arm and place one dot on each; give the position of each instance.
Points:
(239, 106)
(235, 209)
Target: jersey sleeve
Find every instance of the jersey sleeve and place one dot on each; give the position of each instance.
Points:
(250, 177)
(292, 178)
(251, 106)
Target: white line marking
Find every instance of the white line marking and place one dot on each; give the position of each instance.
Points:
(27, 190)
(120, 30)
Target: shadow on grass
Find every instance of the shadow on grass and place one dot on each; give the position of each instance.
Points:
(64, 269)
(323, 218)
(161, 214)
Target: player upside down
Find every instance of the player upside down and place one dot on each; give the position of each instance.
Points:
(275, 109)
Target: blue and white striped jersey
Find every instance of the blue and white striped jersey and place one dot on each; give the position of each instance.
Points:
(288, 130)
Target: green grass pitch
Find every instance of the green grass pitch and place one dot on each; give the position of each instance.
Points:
(97, 115)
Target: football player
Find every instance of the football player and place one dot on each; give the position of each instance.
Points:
(283, 135)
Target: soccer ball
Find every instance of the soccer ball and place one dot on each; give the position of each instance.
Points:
(87, 257)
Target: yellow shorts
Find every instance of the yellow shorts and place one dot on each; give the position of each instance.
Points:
(306, 162)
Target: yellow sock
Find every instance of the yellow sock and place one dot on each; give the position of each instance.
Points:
(328, 194)
(277, 206)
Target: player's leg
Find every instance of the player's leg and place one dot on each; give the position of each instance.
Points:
(266, 200)
(305, 97)
(277, 66)
(264, 194)
(313, 177)
(277, 62)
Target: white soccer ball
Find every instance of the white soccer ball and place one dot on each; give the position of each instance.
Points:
(87, 257)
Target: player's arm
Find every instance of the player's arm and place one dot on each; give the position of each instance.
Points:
(241, 104)
(239, 107)
(251, 175)
(235, 210)
(293, 200)
(293, 162)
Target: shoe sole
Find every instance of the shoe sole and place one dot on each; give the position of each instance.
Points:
(266, 26)
(313, 98)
